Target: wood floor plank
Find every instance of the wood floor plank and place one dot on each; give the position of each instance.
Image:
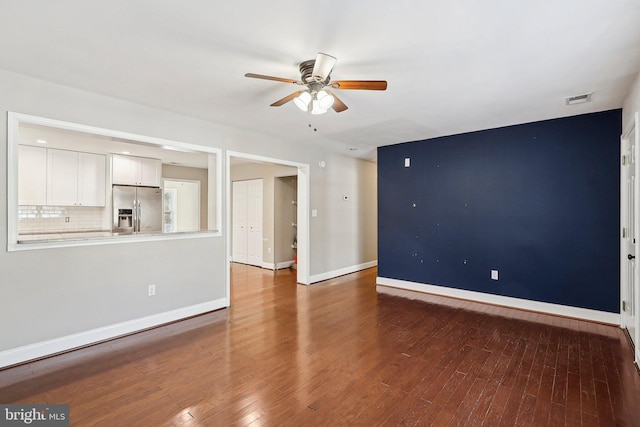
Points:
(485, 398)
(343, 352)
(470, 401)
(526, 411)
(573, 397)
(543, 399)
(605, 413)
(587, 385)
(497, 407)
(537, 365)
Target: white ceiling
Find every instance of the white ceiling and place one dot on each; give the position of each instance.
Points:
(452, 66)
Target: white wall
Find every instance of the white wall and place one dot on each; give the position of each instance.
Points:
(49, 294)
(340, 223)
(631, 103)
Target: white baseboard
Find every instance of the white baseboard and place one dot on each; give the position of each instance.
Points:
(524, 304)
(285, 264)
(278, 266)
(45, 348)
(341, 272)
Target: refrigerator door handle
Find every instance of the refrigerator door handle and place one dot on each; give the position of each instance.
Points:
(135, 216)
(139, 216)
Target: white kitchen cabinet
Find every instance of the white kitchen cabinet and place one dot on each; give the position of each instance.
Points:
(62, 177)
(150, 172)
(92, 172)
(32, 175)
(130, 170)
(75, 179)
(124, 169)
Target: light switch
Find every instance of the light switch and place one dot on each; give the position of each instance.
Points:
(494, 274)
(314, 212)
(407, 162)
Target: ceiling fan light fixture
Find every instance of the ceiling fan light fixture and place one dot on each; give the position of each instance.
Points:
(325, 99)
(322, 101)
(302, 101)
(317, 109)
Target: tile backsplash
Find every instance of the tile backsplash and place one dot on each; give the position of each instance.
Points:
(55, 219)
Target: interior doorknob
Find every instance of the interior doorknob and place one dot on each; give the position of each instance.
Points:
(630, 257)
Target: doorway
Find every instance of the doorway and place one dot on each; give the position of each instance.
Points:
(285, 222)
(181, 205)
(629, 210)
(301, 172)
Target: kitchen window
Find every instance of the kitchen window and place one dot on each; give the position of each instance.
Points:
(63, 179)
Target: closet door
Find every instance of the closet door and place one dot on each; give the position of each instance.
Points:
(254, 221)
(239, 221)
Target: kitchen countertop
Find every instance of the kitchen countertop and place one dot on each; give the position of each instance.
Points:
(63, 235)
(90, 235)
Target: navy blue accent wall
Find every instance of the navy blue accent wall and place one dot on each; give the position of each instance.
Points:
(538, 202)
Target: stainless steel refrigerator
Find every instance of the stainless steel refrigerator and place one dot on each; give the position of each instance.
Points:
(137, 210)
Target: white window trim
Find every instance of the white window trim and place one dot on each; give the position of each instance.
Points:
(13, 122)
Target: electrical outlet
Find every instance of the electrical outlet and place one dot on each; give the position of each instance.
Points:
(494, 274)
(268, 250)
(152, 290)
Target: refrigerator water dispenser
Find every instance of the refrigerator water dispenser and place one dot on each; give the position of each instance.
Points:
(125, 218)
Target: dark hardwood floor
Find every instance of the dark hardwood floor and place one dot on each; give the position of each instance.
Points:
(341, 353)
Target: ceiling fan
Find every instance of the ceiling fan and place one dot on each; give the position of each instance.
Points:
(316, 76)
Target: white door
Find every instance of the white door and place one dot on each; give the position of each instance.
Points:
(254, 220)
(246, 218)
(629, 293)
(239, 221)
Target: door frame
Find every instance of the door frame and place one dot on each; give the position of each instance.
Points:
(633, 127)
(190, 181)
(303, 269)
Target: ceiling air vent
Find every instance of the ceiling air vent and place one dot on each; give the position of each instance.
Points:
(578, 99)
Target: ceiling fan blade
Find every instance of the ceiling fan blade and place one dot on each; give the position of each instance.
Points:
(286, 99)
(359, 84)
(277, 79)
(338, 106)
(323, 66)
